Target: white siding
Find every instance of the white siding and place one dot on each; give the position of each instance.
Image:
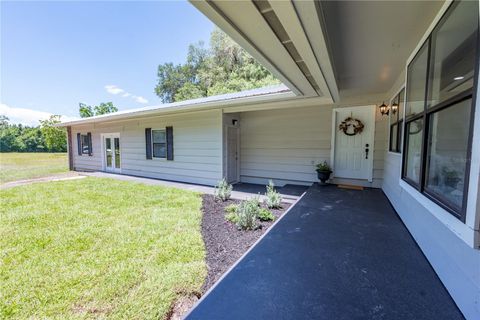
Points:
(284, 145)
(456, 263)
(197, 147)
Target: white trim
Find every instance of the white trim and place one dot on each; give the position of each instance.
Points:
(372, 139)
(451, 222)
(402, 87)
(242, 257)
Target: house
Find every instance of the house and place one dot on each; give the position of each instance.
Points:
(400, 79)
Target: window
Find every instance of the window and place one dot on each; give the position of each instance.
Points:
(396, 122)
(159, 142)
(439, 109)
(85, 141)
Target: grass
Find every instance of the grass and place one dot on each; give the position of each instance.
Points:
(20, 166)
(98, 248)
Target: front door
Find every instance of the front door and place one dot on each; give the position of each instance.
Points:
(232, 154)
(353, 149)
(111, 144)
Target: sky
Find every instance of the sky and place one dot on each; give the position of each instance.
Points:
(54, 55)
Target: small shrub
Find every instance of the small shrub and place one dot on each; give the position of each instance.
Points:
(231, 208)
(223, 190)
(265, 215)
(247, 214)
(274, 199)
(232, 217)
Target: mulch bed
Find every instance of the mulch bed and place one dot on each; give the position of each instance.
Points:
(224, 243)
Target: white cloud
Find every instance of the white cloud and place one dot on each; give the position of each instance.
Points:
(113, 89)
(140, 99)
(27, 117)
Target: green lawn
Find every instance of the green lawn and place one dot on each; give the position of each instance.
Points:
(20, 166)
(98, 248)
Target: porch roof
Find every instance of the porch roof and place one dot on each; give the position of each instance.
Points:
(337, 254)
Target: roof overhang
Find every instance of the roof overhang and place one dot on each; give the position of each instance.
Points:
(244, 99)
(286, 37)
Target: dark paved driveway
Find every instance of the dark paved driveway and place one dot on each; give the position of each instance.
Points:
(338, 254)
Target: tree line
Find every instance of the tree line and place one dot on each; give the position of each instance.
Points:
(45, 137)
(42, 138)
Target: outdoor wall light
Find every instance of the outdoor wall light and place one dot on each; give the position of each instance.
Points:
(384, 109)
(234, 122)
(394, 108)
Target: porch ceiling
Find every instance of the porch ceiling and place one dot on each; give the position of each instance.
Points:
(370, 41)
(336, 50)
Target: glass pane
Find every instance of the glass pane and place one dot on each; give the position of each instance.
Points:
(393, 114)
(108, 151)
(158, 136)
(400, 137)
(416, 82)
(401, 104)
(117, 152)
(159, 150)
(393, 137)
(413, 148)
(84, 144)
(453, 52)
(447, 151)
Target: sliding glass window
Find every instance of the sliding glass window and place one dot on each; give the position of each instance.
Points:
(439, 126)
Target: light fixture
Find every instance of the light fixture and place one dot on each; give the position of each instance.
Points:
(394, 108)
(458, 78)
(384, 109)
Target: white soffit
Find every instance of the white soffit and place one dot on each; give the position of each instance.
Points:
(301, 22)
(251, 24)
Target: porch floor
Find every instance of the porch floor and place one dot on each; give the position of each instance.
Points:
(338, 254)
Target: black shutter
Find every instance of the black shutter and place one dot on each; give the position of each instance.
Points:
(79, 144)
(90, 149)
(148, 143)
(169, 132)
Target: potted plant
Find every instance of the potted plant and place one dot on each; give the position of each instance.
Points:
(323, 171)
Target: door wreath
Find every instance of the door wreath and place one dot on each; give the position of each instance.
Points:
(355, 125)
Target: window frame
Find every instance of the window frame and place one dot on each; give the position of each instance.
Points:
(154, 143)
(399, 123)
(426, 115)
(82, 142)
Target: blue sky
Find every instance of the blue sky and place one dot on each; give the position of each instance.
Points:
(57, 54)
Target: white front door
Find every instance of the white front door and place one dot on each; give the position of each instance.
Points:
(232, 154)
(353, 153)
(111, 147)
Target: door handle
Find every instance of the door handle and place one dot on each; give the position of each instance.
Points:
(366, 150)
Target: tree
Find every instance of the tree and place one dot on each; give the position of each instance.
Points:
(87, 111)
(222, 68)
(105, 108)
(55, 138)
